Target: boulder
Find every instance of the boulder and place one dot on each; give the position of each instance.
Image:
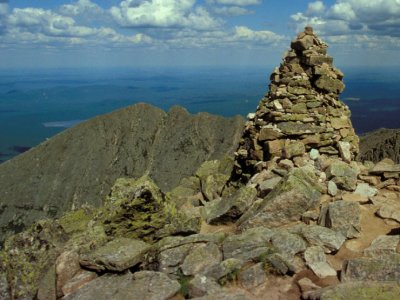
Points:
(229, 208)
(252, 276)
(382, 268)
(383, 245)
(344, 217)
(366, 190)
(201, 285)
(288, 244)
(367, 290)
(80, 279)
(226, 270)
(117, 255)
(128, 286)
(66, 266)
(315, 259)
(201, 258)
(298, 192)
(315, 235)
(249, 245)
(343, 175)
(135, 209)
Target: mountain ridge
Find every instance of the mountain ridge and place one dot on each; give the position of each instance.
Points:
(79, 165)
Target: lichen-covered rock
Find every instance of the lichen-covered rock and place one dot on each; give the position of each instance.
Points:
(136, 208)
(28, 255)
(118, 255)
(298, 192)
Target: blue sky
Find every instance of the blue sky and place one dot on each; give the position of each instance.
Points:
(100, 33)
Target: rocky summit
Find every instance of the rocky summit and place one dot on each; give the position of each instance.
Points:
(291, 215)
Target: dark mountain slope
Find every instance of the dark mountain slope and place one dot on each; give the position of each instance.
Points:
(80, 165)
(379, 144)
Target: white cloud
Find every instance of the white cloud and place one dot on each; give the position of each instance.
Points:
(232, 11)
(39, 26)
(239, 37)
(235, 2)
(352, 21)
(163, 13)
(342, 11)
(316, 7)
(80, 7)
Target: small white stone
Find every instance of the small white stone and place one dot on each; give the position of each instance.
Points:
(366, 190)
(332, 188)
(251, 116)
(314, 154)
(278, 105)
(344, 149)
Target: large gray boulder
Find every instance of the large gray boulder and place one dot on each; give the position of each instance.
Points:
(81, 164)
(128, 286)
(297, 193)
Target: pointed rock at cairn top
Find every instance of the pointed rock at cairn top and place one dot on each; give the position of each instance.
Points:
(301, 111)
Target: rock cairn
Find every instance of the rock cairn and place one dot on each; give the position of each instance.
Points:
(301, 111)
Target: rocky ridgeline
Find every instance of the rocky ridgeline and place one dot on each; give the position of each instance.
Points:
(300, 223)
(300, 112)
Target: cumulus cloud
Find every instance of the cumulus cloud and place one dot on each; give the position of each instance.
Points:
(361, 22)
(235, 2)
(232, 11)
(80, 7)
(239, 37)
(40, 26)
(315, 8)
(163, 13)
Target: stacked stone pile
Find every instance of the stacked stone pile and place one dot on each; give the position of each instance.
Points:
(301, 111)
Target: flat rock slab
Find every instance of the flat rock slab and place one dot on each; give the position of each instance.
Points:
(117, 255)
(144, 285)
(383, 268)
